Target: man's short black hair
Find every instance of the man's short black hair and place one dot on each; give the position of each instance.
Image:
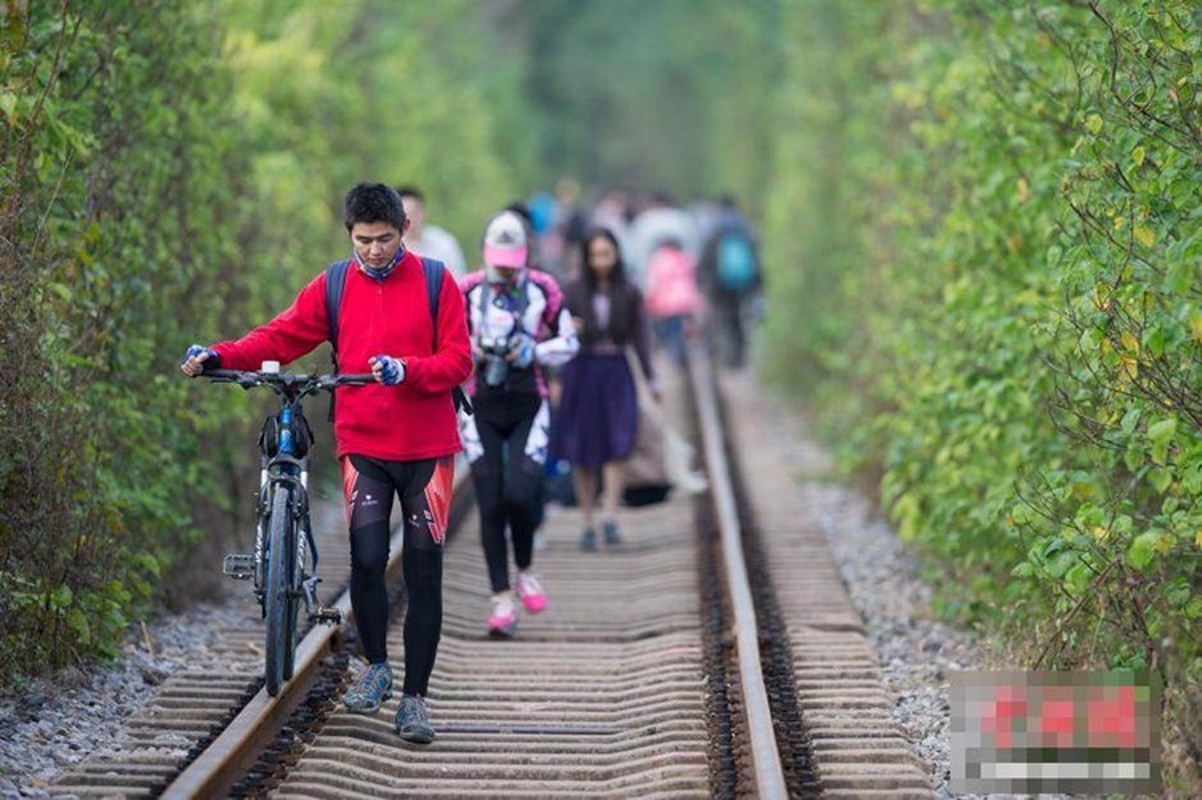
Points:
(373, 202)
(409, 190)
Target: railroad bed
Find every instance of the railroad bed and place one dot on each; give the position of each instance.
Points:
(627, 686)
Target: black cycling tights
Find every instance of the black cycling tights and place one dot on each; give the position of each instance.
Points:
(425, 491)
(508, 481)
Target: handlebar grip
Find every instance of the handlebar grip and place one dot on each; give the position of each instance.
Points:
(357, 377)
(228, 374)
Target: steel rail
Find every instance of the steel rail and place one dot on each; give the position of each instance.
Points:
(215, 770)
(765, 756)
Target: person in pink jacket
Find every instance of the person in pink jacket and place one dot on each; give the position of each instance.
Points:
(673, 300)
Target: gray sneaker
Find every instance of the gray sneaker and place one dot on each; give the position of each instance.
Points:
(589, 540)
(413, 720)
(369, 692)
(613, 536)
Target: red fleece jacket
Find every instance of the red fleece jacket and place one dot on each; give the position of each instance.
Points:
(413, 420)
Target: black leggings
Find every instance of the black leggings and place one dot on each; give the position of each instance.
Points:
(508, 477)
(425, 491)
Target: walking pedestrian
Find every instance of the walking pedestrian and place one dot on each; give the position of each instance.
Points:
(673, 300)
(598, 411)
(729, 273)
(517, 324)
(425, 238)
(397, 437)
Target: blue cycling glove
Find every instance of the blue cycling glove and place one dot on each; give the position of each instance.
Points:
(199, 349)
(523, 350)
(392, 370)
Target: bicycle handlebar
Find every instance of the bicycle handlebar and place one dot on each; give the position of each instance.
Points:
(278, 382)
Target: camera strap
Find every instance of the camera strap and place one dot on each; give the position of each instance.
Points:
(519, 313)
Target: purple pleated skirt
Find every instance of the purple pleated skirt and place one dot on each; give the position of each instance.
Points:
(598, 414)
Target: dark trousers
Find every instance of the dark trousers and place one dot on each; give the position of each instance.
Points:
(425, 491)
(508, 478)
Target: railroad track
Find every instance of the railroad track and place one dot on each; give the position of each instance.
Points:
(659, 670)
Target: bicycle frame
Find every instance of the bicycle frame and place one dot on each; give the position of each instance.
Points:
(281, 466)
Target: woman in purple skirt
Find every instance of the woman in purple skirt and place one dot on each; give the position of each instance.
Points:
(594, 428)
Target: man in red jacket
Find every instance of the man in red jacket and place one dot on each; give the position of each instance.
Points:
(397, 436)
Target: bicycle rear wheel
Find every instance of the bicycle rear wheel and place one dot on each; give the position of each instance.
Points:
(281, 597)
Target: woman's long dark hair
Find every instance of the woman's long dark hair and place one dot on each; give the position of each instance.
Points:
(618, 274)
(625, 300)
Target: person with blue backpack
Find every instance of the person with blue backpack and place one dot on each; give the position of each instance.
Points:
(390, 312)
(730, 276)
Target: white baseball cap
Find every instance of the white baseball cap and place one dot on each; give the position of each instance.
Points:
(505, 241)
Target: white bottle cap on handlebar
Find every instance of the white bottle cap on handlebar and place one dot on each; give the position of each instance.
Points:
(270, 367)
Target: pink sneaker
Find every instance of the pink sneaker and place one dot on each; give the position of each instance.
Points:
(503, 621)
(531, 592)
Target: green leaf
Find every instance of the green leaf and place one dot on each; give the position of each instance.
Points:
(61, 597)
(1078, 577)
(1160, 479)
(1060, 564)
(1134, 457)
(1143, 549)
(148, 563)
(77, 620)
(1160, 434)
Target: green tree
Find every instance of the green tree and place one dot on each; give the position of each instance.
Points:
(988, 216)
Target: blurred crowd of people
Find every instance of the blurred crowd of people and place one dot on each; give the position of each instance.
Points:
(568, 304)
(697, 266)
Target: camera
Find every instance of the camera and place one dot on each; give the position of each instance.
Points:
(496, 367)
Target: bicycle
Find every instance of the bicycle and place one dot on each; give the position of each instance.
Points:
(284, 546)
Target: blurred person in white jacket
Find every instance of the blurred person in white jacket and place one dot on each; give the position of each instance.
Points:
(429, 240)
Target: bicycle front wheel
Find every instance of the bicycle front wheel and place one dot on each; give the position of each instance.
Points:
(281, 598)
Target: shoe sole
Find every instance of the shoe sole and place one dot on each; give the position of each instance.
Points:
(384, 698)
(416, 737)
(502, 633)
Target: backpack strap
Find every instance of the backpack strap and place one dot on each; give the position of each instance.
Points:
(434, 271)
(335, 281)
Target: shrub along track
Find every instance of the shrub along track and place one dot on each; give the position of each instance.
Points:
(647, 676)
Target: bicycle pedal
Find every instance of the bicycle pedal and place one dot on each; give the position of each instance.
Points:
(239, 566)
(327, 615)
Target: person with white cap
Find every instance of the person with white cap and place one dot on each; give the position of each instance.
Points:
(517, 322)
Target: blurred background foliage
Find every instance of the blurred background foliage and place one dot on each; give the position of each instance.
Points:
(981, 222)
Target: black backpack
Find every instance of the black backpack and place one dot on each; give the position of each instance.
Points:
(336, 280)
